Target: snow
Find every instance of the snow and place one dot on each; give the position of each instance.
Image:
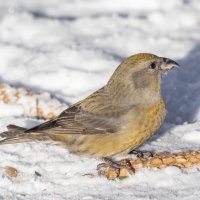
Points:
(69, 48)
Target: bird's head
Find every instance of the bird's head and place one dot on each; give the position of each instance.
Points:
(139, 77)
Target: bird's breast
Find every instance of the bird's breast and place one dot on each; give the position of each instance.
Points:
(146, 123)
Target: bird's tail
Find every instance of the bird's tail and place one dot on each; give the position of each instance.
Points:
(15, 134)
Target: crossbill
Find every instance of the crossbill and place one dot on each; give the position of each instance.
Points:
(115, 119)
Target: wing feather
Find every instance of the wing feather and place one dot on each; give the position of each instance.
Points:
(83, 118)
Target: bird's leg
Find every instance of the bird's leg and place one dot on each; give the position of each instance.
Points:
(115, 165)
(141, 154)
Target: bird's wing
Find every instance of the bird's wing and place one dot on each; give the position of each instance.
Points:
(92, 116)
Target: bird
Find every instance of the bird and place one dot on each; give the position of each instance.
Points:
(113, 120)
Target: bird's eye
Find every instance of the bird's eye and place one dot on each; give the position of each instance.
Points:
(152, 65)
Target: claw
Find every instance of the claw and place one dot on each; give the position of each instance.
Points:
(142, 154)
(102, 168)
(115, 167)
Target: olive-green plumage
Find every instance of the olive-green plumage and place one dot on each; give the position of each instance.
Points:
(113, 120)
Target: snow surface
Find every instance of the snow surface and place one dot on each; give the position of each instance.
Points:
(69, 48)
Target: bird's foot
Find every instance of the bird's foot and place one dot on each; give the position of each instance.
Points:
(141, 154)
(113, 169)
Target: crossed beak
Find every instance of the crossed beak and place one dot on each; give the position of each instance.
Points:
(168, 64)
